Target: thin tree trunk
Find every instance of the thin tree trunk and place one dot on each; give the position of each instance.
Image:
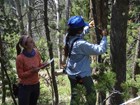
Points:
(67, 11)
(102, 13)
(102, 18)
(118, 46)
(10, 86)
(59, 37)
(4, 74)
(20, 18)
(50, 48)
(1, 57)
(29, 15)
(96, 12)
(136, 68)
(92, 35)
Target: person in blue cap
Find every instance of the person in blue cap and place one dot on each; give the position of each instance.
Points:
(78, 51)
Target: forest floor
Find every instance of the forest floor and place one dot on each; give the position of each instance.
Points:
(63, 90)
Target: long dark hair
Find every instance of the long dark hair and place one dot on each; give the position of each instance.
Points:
(71, 32)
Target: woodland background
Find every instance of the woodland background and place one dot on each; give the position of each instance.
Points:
(116, 73)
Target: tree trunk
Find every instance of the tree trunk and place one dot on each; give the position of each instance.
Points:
(20, 18)
(136, 68)
(3, 61)
(118, 46)
(10, 86)
(67, 11)
(29, 15)
(100, 12)
(50, 48)
(92, 35)
(59, 37)
(4, 74)
(102, 18)
(1, 57)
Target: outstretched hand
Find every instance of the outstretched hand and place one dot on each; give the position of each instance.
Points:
(57, 73)
(45, 64)
(91, 24)
(35, 69)
(104, 32)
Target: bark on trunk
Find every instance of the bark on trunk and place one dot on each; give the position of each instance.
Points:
(3, 61)
(102, 18)
(59, 36)
(20, 18)
(29, 15)
(118, 46)
(4, 74)
(136, 68)
(50, 49)
(99, 11)
(67, 10)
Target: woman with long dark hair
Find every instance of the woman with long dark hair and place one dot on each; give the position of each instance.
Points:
(78, 52)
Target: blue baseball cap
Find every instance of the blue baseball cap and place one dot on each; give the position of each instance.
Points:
(76, 22)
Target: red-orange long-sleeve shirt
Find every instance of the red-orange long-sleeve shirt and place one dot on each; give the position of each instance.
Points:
(24, 65)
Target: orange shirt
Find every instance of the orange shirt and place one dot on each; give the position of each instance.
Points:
(24, 65)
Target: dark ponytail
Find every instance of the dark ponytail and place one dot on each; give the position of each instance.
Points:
(71, 32)
(19, 44)
(18, 48)
(66, 47)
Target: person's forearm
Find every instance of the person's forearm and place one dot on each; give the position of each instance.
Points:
(26, 74)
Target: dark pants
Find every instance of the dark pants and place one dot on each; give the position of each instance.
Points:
(28, 94)
(87, 82)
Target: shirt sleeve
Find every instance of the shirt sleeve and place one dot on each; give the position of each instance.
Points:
(94, 49)
(20, 71)
(85, 31)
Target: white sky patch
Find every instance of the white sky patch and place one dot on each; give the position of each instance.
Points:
(123, 13)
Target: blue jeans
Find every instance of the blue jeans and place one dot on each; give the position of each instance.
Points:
(87, 82)
(28, 94)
